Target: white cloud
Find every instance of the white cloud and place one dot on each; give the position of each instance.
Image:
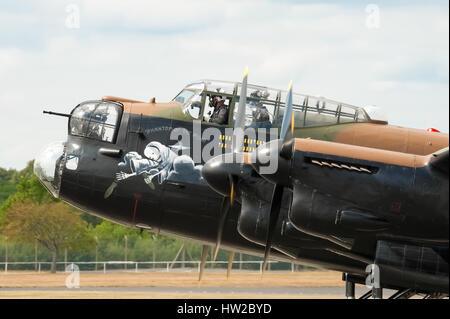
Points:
(174, 14)
(140, 49)
(10, 58)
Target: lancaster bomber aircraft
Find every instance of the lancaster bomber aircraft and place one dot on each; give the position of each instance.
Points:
(267, 172)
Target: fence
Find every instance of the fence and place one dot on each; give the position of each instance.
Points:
(143, 266)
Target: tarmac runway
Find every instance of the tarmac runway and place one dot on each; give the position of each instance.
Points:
(162, 285)
(184, 292)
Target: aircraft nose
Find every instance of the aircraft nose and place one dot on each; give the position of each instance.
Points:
(48, 168)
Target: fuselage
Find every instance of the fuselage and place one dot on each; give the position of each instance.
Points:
(136, 169)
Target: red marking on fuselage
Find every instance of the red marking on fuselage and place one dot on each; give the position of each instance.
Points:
(137, 197)
(396, 207)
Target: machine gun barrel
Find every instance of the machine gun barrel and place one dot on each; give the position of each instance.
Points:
(56, 113)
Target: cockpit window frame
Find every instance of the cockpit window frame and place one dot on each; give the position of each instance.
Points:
(97, 103)
(225, 96)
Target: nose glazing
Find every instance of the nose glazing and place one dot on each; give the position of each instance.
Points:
(48, 167)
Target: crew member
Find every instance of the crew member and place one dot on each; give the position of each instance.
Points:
(220, 112)
(260, 114)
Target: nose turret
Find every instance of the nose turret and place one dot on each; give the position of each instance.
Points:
(48, 167)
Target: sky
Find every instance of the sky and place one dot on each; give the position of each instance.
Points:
(56, 54)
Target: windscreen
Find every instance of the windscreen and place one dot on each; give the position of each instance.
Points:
(97, 120)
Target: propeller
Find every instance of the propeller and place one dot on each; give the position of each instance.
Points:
(205, 249)
(238, 142)
(273, 217)
(222, 175)
(239, 123)
(226, 205)
(230, 263)
(287, 127)
(286, 152)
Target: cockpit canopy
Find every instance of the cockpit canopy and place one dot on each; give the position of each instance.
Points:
(308, 110)
(96, 119)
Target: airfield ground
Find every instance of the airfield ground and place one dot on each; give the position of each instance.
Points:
(307, 284)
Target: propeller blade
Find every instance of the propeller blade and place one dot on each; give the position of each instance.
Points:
(239, 124)
(273, 217)
(203, 262)
(230, 263)
(226, 204)
(231, 191)
(287, 124)
(287, 127)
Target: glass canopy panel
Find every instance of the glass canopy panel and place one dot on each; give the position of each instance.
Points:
(321, 112)
(80, 118)
(375, 113)
(97, 120)
(259, 92)
(298, 100)
(220, 86)
(260, 106)
(191, 98)
(46, 166)
(184, 96)
(347, 114)
(196, 86)
(298, 106)
(194, 106)
(361, 116)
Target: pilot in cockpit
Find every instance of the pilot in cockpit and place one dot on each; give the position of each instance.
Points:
(220, 112)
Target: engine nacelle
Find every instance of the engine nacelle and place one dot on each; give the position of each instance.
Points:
(253, 224)
(253, 219)
(326, 216)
